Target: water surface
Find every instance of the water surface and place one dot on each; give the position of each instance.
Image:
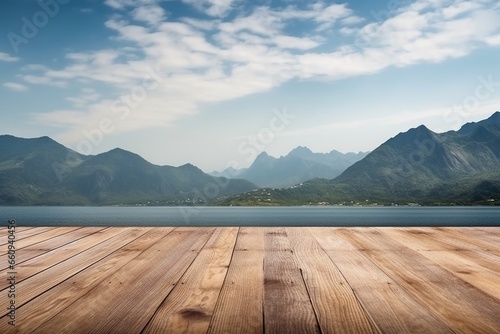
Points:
(252, 216)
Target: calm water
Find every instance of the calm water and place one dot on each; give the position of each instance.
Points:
(252, 216)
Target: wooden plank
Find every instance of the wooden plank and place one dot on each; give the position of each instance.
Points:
(18, 230)
(53, 301)
(239, 307)
(464, 239)
(110, 241)
(389, 306)
(40, 237)
(287, 305)
(40, 248)
(461, 306)
(20, 235)
(404, 280)
(472, 266)
(449, 238)
(190, 305)
(464, 246)
(131, 295)
(336, 307)
(36, 265)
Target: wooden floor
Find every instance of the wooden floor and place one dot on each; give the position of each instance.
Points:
(253, 280)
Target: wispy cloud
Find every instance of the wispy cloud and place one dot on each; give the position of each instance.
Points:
(122, 4)
(7, 58)
(14, 86)
(43, 80)
(152, 14)
(198, 61)
(212, 7)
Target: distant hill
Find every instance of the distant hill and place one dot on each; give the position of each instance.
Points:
(415, 166)
(300, 165)
(229, 172)
(41, 171)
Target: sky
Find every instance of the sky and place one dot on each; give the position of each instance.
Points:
(216, 82)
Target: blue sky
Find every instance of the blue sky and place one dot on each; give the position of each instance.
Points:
(215, 82)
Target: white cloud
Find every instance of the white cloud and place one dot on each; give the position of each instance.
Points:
(17, 87)
(197, 61)
(329, 15)
(87, 96)
(122, 4)
(43, 80)
(152, 15)
(7, 58)
(35, 68)
(212, 7)
(493, 40)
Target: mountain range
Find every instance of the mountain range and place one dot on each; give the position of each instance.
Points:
(41, 171)
(300, 165)
(417, 166)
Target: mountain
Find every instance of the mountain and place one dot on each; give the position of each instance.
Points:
(41, 171)
(300, 165)
(230, 173)
(415, 166)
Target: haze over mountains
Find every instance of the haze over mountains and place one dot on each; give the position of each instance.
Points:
(415, 166)
(300, 165)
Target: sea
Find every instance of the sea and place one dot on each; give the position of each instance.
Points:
(251, 216)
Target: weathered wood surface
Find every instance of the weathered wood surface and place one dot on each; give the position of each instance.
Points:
(253, 280)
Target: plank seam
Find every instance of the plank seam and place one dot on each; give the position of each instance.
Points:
(310, 300)
(29, 300)
(55, 264)
(225, 279)
(83, 269)
(70, 241)
(416, 298)
(180, 279)
(368, 314)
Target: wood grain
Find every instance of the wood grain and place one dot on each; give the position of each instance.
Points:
(52, 271)
(335, 304)
(389, 306)
(62, 295)
(42, 247)
(239, 307)
(255, 280)
(190, 305)
(287, 305)
(461, 306)
(23, 234)
(135, 290)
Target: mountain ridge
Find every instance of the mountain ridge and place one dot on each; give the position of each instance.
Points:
(40, 171)
(299, 165)
(418, 165)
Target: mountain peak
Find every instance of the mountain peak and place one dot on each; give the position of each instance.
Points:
(190, 167)
(117, 150)
(422, 128)
(495, 118)
(300, 150)
(120, 151)
(469, 128)
(264, 158)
